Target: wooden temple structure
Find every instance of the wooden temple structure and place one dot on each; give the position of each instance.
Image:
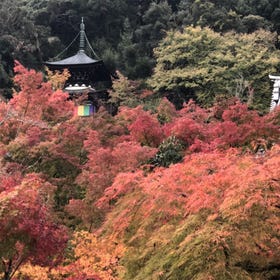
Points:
(88, 76)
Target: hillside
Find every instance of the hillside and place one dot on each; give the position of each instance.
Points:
(123, 33)
(169, 194)
(175, 177)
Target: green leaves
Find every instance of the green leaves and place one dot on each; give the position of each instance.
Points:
(170, 151)
(207, 64)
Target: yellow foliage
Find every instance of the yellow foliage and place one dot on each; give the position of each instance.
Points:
(92, 257)
(57, 78)
(34, 272)
(123, 91)
(95, 256)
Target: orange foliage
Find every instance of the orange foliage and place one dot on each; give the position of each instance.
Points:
(93, 257)
(240, 192)
(36, 99)
(227, 181)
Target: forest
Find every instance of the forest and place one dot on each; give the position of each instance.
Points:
(181, 182)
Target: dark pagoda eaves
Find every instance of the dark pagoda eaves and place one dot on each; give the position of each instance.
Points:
(78, 59)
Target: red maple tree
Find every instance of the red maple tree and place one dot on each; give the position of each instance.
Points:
(28, 230)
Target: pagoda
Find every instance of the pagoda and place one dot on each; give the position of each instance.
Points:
(87, 76)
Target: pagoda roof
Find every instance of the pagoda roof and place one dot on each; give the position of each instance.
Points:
(78, 59)
(83, 69)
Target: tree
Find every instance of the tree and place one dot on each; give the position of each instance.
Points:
(126, 48)
(201, 64)
(28, 229)
(141, 131)
(212, 191)
(139, 39)
(103, 165)
(240, 16)
(123, 92)
(199, 215)
(90, 258)
(22, 38)
(39, 135)
(170, 151)
(36, 98)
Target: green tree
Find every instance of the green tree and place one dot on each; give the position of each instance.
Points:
(170, 151)
(201, 64)
(137, 47)
(123, 92)
(22, 37)
(127, 49)
(222, 16)
(219, 15)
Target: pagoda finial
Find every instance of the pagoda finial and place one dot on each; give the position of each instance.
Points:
(82, 35)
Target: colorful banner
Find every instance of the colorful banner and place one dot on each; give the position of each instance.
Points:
(84, 110)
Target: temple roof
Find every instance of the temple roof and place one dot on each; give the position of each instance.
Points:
(78, 59)
(83, 69)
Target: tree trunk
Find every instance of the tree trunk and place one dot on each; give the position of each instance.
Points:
(8, 269)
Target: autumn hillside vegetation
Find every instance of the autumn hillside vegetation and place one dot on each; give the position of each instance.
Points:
(145, 194)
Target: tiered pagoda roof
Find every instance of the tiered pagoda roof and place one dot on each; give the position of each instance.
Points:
(78, 59)
(84, 70)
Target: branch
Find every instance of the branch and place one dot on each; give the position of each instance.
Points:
(7, 116)
(19, 262)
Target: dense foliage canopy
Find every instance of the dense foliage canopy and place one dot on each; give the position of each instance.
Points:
(181, 182)
(202, 64)
(123, 33)
(163, 194)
